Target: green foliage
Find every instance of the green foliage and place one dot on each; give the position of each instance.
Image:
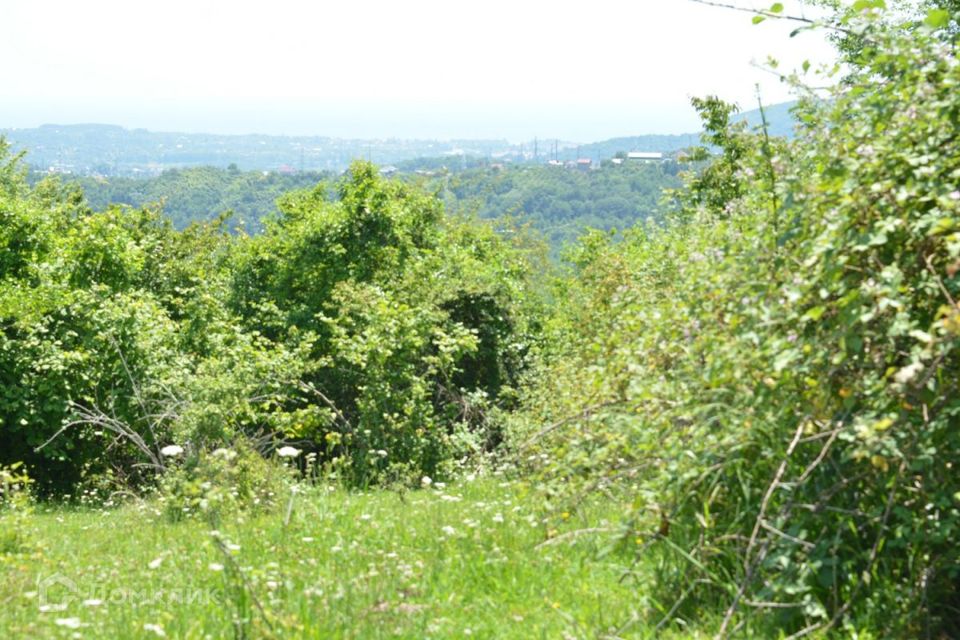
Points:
(393, 299)
(200, 194)
(769, 384)
(560, 202)
(371, 327)
(219, 483)
(15, 507)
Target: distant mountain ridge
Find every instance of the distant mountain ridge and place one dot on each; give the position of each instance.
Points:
(106, 149)
(780, 122)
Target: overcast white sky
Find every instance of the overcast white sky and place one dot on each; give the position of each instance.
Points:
(579, 70)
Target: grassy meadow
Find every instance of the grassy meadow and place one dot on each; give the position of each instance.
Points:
(467, 560)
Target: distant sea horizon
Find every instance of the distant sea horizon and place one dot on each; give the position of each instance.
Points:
(366, 119)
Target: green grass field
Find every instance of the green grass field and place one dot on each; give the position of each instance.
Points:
(453, 562)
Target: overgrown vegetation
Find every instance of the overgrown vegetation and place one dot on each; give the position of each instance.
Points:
(372, 330)
(748, 413)
(769, 385)
(562, 203)
(200, 194)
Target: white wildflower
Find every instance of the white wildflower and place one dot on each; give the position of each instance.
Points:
(156, 629)
(381, 453)
(426, 481)
(69, 623)
(155, 563)
(288, 452)
(908, 373)
(448, 530)
(215, 566)
(171, 451)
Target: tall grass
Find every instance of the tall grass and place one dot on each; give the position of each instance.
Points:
(470, 560)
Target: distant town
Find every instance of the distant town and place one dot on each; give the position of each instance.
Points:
(110, 151)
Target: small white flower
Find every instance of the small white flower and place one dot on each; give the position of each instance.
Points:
(155, 563)
(215, 566)
(156, 629)
(498, 517)
(306, 539)
(226, 454)
(908, 373)
(288, 452)
(426, 481)
(171, 451)
(381, 453)
(448, 530)
(69, 623)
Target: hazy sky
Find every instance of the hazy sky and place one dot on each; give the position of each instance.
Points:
(580, 70)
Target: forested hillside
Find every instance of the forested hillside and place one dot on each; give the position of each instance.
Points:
(558, 202)
(201, 194)
(561, 203)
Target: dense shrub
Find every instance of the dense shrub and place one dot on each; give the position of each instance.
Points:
(222, 482)
(769, 385)
(370, 328)
(395, 301)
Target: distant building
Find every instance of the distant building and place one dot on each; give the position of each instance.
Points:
(645, 156)
(286, 169)
(584, 163)
(388, 170)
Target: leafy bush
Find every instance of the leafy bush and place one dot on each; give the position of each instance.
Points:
(225, 481)
(770, 384)
(364, 327)
(404, 314)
